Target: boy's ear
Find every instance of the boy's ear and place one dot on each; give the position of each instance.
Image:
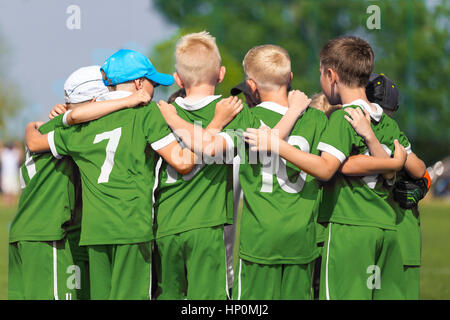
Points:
(252, 85)
(178, 80)
(292, 76)
(137, 83)
(334, 77)
(222, 72)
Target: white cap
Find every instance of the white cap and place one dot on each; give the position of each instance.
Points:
(84, 84)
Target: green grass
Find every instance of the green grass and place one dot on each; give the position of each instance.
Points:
(6, 216)
(435, 271)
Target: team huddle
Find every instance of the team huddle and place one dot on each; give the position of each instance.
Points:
(125, 198)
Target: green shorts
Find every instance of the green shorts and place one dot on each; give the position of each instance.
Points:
(43, 270)
(80, 258)
(360, 262)
(120, 271)
(192, 265)
(412, 282)
(255, 281)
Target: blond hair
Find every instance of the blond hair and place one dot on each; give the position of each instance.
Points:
(197, 59)
(320, 102)
(269, 66)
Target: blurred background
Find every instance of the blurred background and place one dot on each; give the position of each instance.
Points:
(43, 42)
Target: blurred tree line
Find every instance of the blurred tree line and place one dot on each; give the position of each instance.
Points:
(411, 47)
(10, 99)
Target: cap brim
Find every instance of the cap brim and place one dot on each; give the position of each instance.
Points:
(161, 78)
(241, 87)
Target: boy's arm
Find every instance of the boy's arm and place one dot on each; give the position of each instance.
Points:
(298, 102)
(361, 123)
(415, 166)
(322, 167)
(181, 159)
(36, 141)
(363, 165)
(208, 141)
(95, 110)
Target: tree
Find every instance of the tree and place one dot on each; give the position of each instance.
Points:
(10, 101)
(411, 47)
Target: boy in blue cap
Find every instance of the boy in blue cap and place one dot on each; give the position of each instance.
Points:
(117, 156)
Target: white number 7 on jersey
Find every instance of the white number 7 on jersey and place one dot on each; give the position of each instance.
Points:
(113, 137)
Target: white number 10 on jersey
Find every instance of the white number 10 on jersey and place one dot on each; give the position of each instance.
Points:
(113, 137)
(277, 167)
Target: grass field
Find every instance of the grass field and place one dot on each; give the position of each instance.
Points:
(435, 271)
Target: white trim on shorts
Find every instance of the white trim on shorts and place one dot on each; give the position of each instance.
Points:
(151, 261)
(55, 271)
(226, 266)
(326, 266)
(240, 280)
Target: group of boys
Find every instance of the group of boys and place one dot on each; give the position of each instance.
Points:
(118, 189)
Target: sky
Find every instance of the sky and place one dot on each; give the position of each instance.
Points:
(46, 43)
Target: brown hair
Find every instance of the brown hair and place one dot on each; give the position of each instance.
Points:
(179, 93)
(351, 57)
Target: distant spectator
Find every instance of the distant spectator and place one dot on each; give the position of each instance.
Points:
(10, 158)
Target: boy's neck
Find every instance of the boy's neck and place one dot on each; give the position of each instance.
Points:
(279, 97)
(126, 87)
(348, 95)
(199, 92)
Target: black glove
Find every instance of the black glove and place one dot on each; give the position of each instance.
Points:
(409, 192)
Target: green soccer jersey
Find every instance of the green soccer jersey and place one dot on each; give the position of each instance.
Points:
(116, 157)
(280, 201)
(358, 200)
(204, 197)
(49, 204)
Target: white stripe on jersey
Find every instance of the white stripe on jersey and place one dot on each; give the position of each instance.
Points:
(64, 119)
(164, 142)
(22, 181)
(51, 143)
(30, 165)
(324, 147)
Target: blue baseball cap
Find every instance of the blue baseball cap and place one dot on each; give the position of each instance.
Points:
(126, 65)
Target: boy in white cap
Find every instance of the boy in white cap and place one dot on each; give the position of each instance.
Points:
(117, 156)
(45, 261)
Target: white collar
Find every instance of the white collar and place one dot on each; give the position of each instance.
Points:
(114, 95)
(191, 106)
(375, 115)
(273, 106)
